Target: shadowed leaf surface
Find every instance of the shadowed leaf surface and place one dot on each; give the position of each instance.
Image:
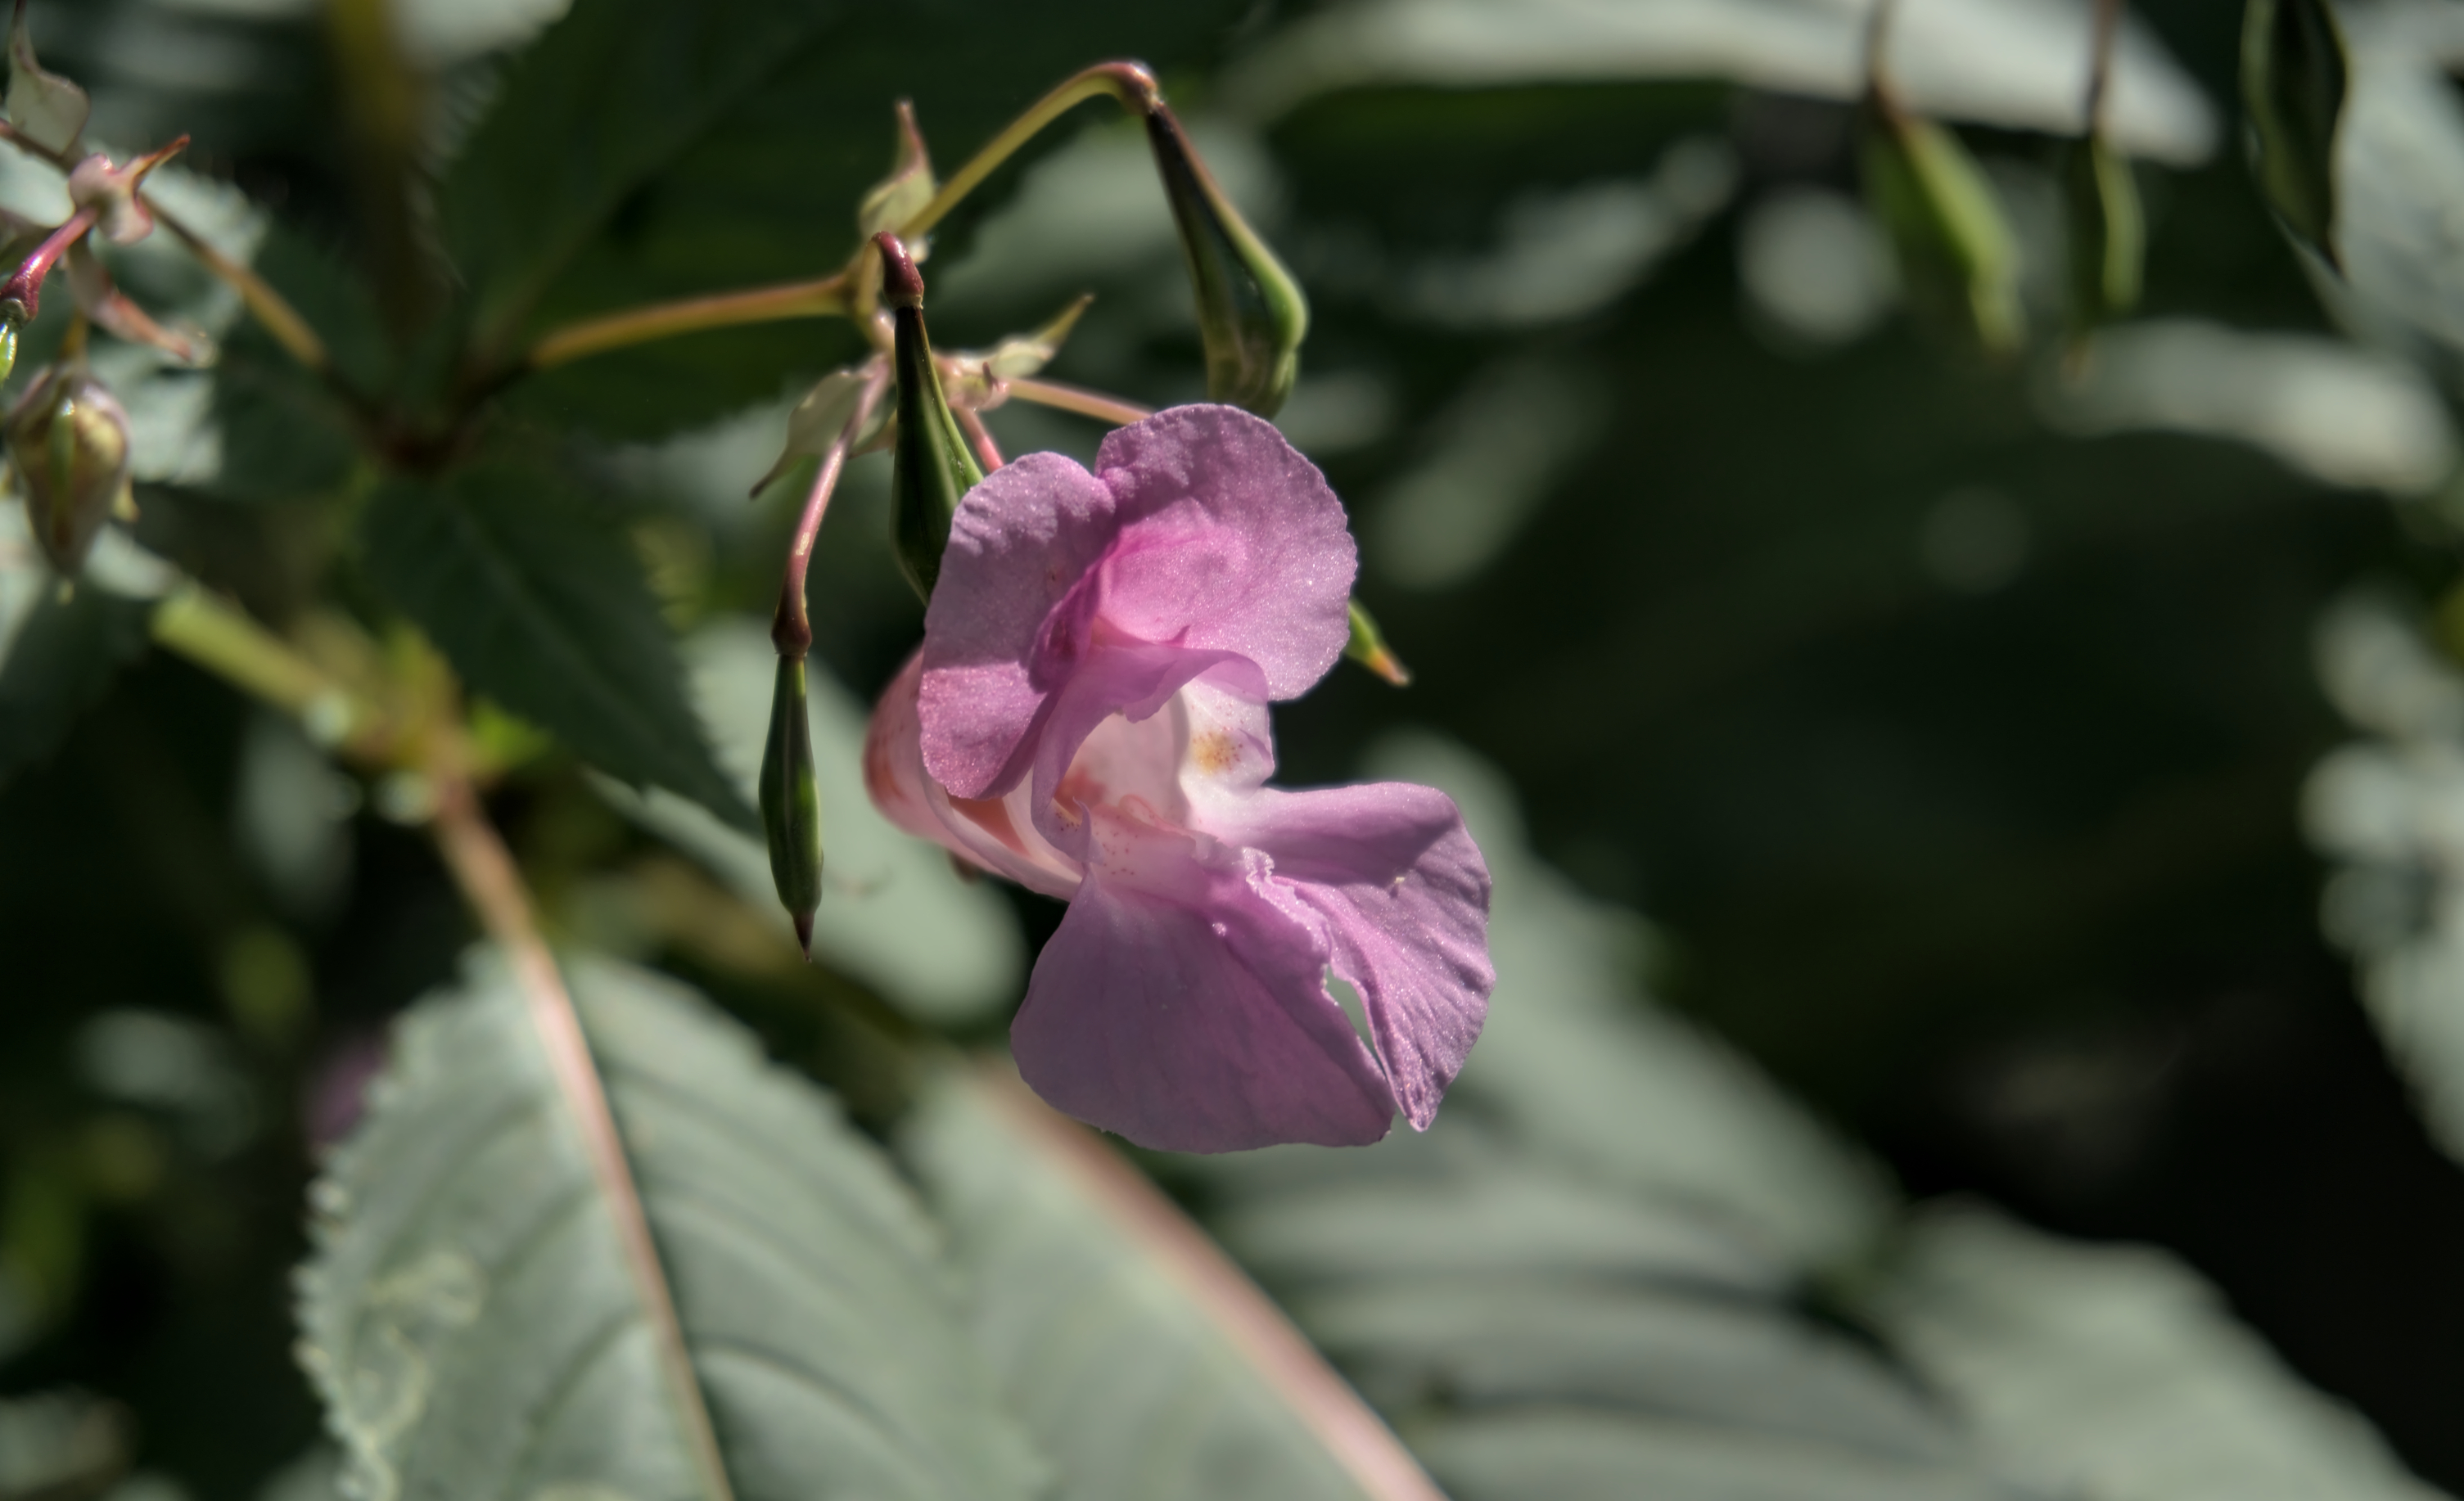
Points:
(59, 664)
(543, 610)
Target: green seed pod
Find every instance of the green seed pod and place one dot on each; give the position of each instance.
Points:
(932, 469)
(1368, 647)
(791, 802)
(69, 440)
(7, 347)
(2108, 236)
(1956, 251)
(2294, 75)
(1250, 312)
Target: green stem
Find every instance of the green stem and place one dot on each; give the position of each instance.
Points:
(219, 638)
(837, 295)
(791, 630)
(1127, 83)
(823, 297)
(1076, 399)
(266, 304)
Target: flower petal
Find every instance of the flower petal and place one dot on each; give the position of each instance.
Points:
(1178, 1008)
(1401, 895)
(1203, 530)
(997, 834)
(1231, 541)
(1134, 679)
(1020, 544)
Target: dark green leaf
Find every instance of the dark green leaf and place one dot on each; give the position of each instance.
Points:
(600, 105)
(284, 435)
(472, 1324)
(544, 610)
(655, 390)
(701, 151)
(59, 664)
(1124, 1379)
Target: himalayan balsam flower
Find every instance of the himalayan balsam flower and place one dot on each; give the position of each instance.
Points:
(1087, 716)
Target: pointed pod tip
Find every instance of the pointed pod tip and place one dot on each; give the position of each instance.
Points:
(804, 934)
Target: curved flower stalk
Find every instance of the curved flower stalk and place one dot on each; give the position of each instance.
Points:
(1088, 717)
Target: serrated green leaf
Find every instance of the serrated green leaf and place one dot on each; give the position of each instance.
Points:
(2117, 1367)
(720, 155)
(284, 435)
(544, 610)
(604, 102)
(658, 390)
(1125, 1382)
(471, 1325)
(334, 299)
(59, 663)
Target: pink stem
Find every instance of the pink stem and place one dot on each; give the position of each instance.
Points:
(987, 452)
(23, 291)
(791, 629)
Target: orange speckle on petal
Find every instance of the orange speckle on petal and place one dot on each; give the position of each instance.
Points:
(1214, 752)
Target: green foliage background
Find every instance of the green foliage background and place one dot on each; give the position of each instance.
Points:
(2005, 879)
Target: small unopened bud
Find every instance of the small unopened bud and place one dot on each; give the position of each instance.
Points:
(931, 466)
(111, 191)
(2294, 76)
(1956, 251)
(1250, 312)
(69, 441)
(791, 802)
(819, 419)
(2108, 237)
(1368, 647)
(910, 185)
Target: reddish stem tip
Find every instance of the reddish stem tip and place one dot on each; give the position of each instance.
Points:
(900, 283)
(804, 934)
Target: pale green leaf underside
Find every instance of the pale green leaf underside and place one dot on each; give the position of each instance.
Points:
(543, 610)
(1126, 1384)
(2117, 1370)
(471, 1323)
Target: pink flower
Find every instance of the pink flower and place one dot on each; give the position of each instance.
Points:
(1088, 717)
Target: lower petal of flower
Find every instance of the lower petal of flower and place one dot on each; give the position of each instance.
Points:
(1197, 1027)
(1401, 894)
